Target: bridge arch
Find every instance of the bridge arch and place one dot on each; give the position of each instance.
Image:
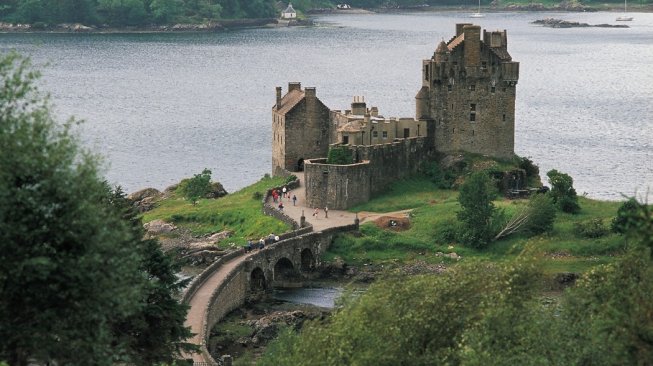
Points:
(284, 270)
(257, 280)
(307, 263)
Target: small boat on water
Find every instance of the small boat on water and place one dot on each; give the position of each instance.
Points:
(625, 18)
(478, 14)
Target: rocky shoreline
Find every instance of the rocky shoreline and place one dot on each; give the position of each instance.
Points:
(170, 28)
(559, 23)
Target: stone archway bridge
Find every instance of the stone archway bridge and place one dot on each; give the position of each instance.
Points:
(225, 284)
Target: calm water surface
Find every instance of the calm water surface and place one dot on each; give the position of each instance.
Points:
(161, 107)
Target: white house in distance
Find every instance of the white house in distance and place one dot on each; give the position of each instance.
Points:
(289, 13)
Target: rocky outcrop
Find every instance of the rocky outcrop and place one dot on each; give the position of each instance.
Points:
(145, 199)
(559, 23)
(216, 191)
(158, 227)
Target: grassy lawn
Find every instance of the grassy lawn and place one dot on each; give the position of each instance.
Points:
(434, 212)
(239, 212)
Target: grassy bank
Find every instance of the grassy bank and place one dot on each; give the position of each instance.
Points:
(239, 212)
(434, 213)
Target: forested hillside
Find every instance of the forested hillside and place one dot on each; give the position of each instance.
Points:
(147, 12)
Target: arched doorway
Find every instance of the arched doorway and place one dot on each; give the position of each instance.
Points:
(300, 165)
(308, 261)
(257, 280)
(284, 270)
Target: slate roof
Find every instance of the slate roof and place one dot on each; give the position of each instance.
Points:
(290, 100)
(289, 9)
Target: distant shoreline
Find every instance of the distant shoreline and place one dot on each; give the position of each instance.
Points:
(226, 25)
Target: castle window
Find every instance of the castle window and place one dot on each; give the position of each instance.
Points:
(472, 117)
(503, 90)
(504, 118)
(345, 140)
(426, 72)
(483, 65)
(472, 107)
(385, 134)
(375, 134)
(493, 89)
(472, 87)
(449, 87)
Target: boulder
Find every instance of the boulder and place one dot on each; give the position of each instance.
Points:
(216, 191)
(145, 199)
(220, 236)
(157, 227)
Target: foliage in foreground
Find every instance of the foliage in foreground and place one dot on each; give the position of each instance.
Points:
(478, 214)
(479, 313)
(78, 286)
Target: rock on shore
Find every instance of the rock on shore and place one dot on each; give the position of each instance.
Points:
(559, 23)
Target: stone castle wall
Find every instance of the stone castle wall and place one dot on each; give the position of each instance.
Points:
(336, 186)
(392, 161)
(344, 186)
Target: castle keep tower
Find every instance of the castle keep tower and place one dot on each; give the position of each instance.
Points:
(468, 92)
(300, 128)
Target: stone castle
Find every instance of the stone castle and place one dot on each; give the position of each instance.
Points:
(466, 103)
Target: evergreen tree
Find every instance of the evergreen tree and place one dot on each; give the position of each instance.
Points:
(156, 332)
(477, 210)
(67, 269)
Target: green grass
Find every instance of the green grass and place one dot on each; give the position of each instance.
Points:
(562, 250)
(238, 212)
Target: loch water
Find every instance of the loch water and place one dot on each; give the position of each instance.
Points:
(161, 107)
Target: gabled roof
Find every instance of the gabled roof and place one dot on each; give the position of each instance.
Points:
(289, 9)
(353, 126)
(456, 41)
(501, 53)
(289, 101)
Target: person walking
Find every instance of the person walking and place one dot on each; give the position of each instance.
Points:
(285, 191)
(294, 200)
(316, 212)
(326, 212)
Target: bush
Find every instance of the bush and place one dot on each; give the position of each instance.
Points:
(448, 232)
(621, 223)
(196, 187)
(339, 155)
(541, 214)
(529, 167)
(594, 228)
(562, 191)
(257, 196)
(290, 178)
(478, 213)
(442, 178)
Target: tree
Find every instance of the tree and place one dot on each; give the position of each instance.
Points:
(166, 11)
(563, 192)
(197, 187)
(67, 269)
(339, 155)
(477, 210)
(622, 222)
(78, 285)
(155, 333)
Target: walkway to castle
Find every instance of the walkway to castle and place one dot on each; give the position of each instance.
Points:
(336, 217)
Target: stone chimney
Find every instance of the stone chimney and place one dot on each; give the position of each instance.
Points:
(459, 28)
(358, 106)
(472, 45)
(309, 93)
(278, 97)
(294, 86)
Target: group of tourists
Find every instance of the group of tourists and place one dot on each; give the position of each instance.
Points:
(270, 239)
(316, 212)
(285, 193)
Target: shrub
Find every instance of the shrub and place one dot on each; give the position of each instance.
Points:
(529, 167)
(541, 214)
(562, 191)
(622, 222)
(257, 196)
(290, 178)
(478, 211)
(443, 178)
(594, 228)
(339, 155)
(448, 232)
(196, 187)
